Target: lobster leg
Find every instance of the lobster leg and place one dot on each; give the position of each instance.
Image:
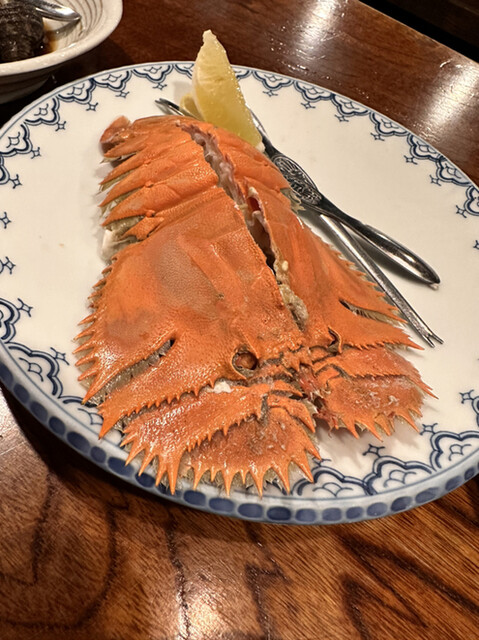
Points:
(254, 447)
(368, 389)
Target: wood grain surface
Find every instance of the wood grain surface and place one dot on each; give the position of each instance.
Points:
(84, 556)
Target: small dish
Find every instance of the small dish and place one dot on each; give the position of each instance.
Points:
(99, 18)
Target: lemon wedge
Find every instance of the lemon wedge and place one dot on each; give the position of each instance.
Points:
(187, 103)
(216, 96)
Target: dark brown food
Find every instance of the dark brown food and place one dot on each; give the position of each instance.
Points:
(21, 31)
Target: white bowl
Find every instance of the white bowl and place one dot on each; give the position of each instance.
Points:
(99, 18)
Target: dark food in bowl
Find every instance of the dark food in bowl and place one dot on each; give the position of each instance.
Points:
(21, 31)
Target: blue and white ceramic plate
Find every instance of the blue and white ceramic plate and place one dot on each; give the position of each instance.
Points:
(369, 166)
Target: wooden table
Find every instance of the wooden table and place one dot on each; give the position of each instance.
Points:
(85, 557)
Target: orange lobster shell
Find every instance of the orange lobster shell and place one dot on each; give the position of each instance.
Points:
(224, 329)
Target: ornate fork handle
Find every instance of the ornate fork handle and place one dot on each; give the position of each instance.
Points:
(299, 180)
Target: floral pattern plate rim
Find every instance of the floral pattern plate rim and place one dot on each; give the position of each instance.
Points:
(368, 165)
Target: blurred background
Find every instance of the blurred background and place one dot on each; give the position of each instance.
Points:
(455, 23)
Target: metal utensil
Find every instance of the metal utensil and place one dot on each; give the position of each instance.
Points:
(54, 11)
(341, 236)
(313, 200)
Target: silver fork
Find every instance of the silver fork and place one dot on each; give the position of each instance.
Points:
(305, 189)
(316, 202)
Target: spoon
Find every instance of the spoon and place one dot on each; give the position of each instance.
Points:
(54, 11)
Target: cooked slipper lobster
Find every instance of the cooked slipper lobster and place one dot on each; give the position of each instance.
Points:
(223, 329)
